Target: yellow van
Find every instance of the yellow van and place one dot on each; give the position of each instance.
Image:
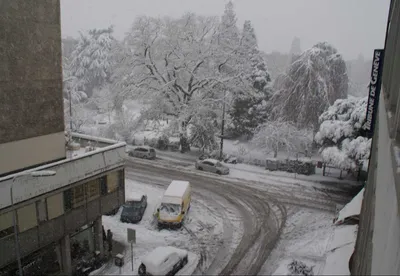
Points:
(174, 205)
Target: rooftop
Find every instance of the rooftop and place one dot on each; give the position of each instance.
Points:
(81, 163)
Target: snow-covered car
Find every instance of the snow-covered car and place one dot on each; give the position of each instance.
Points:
(134, 208)
(164, 260)
(211, 165)
(144, 152)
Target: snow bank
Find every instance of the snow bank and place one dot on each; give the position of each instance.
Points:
(353, 208)
(340, 250)
(305, 238)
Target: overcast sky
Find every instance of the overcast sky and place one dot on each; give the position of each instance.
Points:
(352, 26)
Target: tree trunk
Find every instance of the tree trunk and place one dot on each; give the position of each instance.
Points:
(275, 153)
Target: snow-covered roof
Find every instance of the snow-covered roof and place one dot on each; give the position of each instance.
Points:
(154, 260)
(353, 208)
(177, 188)
(134, 197)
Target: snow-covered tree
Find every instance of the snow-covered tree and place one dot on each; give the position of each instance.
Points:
(274, 136)
(250, 107)
(204, 128)
(341, 134)
(178, 62)
(91, 63)
(312, 83)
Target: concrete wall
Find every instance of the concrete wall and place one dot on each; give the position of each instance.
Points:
(31, 102)
(378, 243)
(386, 237)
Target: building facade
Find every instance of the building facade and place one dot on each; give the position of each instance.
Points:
(52, 194)
(31, 103)
(377, 249)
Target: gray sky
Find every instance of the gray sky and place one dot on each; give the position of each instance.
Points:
(352, 26)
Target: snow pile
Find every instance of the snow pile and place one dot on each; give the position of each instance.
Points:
(352, 209)
(341, 250)
(305, 238)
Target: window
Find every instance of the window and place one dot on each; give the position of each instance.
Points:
(121, 179)
(6, 224)
(112, 181)
(41, 210)
(27, 218)
(55, 206)
(68, 199)
(103, 185)
(78, 195)
(93, 189)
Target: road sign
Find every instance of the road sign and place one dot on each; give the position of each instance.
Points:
(131, 235)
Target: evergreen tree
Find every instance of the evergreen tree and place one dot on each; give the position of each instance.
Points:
(250, 108)
(91, 63)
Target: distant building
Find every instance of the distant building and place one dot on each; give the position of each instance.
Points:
(377, 249)
(55, 194)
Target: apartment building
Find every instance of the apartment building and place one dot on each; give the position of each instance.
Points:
(51, 196)
(377, 249)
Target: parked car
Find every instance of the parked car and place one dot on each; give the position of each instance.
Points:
(211, 165)
(134, 208)
(175, 204)
(165, 260)
(143, 152)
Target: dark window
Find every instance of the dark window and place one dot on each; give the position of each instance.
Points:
(68, 200)
(41, 210)
(152, 150)
(121, 179)
(103, 185)
(6, 232)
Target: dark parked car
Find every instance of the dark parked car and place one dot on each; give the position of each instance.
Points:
(133, 209)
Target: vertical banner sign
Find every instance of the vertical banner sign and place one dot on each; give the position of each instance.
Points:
(374, 91)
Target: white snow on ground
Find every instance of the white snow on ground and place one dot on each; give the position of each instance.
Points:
(340, 250)
(305, 238)
(353, 208)
(200, 221)
(256, 173)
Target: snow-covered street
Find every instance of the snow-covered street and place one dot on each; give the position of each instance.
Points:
(236, 224)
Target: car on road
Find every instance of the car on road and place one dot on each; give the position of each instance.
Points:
(211, 165)
(134, 208)
(164, 260)
(143, 152)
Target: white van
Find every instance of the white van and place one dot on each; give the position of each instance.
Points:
(174, 205)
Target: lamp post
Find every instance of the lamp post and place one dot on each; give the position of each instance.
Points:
(17, 249)
(222, 128)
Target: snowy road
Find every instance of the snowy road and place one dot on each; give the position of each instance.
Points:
(260, 208)
(262, 218)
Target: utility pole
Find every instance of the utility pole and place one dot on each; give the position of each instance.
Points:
(222, 128)
(70, 111)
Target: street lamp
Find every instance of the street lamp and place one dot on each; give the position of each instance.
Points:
(222, 128)
(33, 174)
